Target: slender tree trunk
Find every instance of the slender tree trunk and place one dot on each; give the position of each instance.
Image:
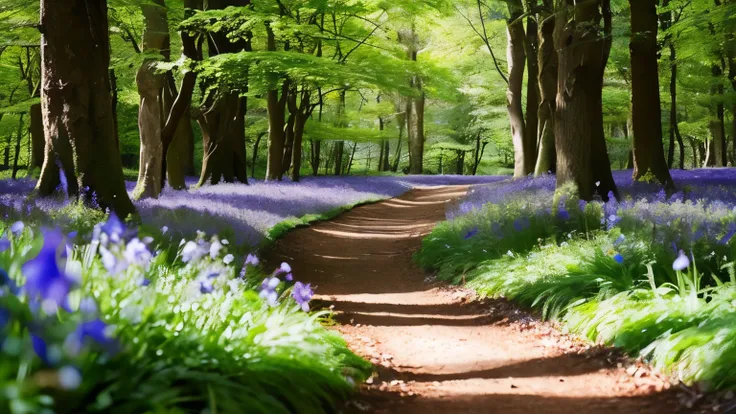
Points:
(352, 156)
(18, 138)
(645, 101)
(339, 150)
(533, 97)
(316, 155)
(151, 117)
(255, 155)
(288, 144)
(582, 37)
(37, 139)
(276, 113)
(716, 124)
(299, 126)
(460, 167)
(547, 63)
(180, 153)
(516, 59)
(77, 106)
(415, 112)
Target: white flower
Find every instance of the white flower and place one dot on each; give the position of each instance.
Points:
(69, 378)
(228, 259)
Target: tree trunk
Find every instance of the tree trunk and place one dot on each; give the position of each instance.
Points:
(339, 150)
(352, 156)
(516, 59)
(276, 120)
(151, 117)
(460, 167)
(415, 114)
(717, 153)
(221, 127)
(18, 138)
(316, 155)
(77, 107)
(582, 38)
(533, 97)
(255, 155)
(300, 122)
(645, 101)
(288, 144)
(547, 63)
(37, 139)
(180, 153)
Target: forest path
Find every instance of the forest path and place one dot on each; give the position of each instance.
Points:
(436, 349)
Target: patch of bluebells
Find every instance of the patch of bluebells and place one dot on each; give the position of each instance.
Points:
(47, 309)
(703, 212)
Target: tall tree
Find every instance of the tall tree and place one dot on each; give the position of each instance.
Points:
(645, 103)
(524, 147)
(547, 64)
(151, 114)
(81, 140)
(583, 42)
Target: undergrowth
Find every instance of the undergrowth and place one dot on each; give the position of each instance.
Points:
(654, 277)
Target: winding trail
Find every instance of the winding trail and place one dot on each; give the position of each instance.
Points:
(437, 349)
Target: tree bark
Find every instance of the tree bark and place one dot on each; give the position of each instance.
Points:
(339, 151)
(516, 59)
(151, 117)
(547, 63)
(37, 139)
(717, 146)
(645, 101)
(582, 38)
(415, 110)
(316, 155)
(79, 128)
(18, 138)
(533, 97)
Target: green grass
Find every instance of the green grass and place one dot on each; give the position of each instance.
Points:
(180, 350)
(684, 323)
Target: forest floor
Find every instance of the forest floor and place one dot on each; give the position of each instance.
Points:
(439, 349)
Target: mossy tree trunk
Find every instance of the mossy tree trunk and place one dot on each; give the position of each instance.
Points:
(79, 128)
(645, 102)
(547, 64)
(583, 42)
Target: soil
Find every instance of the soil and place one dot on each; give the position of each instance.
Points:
(439, 349)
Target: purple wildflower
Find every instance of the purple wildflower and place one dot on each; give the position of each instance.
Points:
(4, 243)
(252, 260)
(44, 279)
(302, 294)
(681, 263)
(470, 234)
(40, 348)
(618, 258)
(114, 228)
(268, 290)
(17, 228)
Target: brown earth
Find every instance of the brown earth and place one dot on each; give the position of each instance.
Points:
(438, 349)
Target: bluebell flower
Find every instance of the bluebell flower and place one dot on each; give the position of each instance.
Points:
(40, 348)
(289, 277)
(252, 260)
(144, 282)
(228, 259)
(471, 233)
(727, 237)
(4, 320)
(215, 248)
(620, 239)
(95, 330)
(4, 243)
(682, 262)
(582, 204)
(44, 279)
(205, 286)
(114, 228)
(191, 252)
(17, 228)
(562, 214)
(137, 253)
(518, 225)
(302, 294)
(268, 290)
(618, 258)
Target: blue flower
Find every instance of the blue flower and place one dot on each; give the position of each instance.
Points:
(618, 258)
(619, 240)
(17, 228)
(44, 279)
(205, 286)
(302, 294)
(562, 214)
(289, 277)
(727, 237)
(4, 320)
(252, 260)
(40, 348)
(94, 330)
(4, 243)
(137, 253)
(681, 263)
(471, 233)
(268, 290)
(582, 204)
(284, 268)
(192, 252)
(114, 228)
(228, 259)
(88, 306)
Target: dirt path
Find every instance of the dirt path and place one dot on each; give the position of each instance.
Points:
(435, 348)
